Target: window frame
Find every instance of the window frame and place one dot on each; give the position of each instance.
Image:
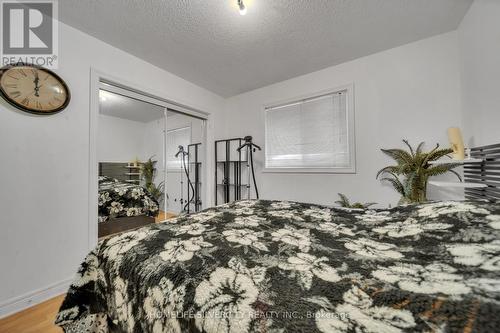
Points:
(351, 137)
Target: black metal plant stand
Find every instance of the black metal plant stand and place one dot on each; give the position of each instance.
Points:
(228, 167)
(234, 157)
(250, 148)
(194, 172)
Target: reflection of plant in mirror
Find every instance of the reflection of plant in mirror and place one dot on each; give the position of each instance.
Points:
(149, 174)
(415, 169)
(345, 202)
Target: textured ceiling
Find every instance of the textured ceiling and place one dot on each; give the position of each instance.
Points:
(208, 43)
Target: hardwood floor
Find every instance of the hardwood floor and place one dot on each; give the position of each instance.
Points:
(40, 318)
(164, 216)
(37, 319)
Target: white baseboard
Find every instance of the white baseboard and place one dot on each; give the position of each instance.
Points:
(27, 300)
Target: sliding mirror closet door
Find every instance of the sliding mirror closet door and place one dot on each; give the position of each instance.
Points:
(131, 154)
(185, 162)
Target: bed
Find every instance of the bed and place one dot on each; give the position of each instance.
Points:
(123, 206)
(276, 266)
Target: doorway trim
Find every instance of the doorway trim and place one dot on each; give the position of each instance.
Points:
(97, 79)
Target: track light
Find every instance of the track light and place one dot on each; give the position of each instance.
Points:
(243, 9)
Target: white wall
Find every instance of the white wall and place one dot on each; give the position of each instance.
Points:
(121, 140)
(153, 140)
(479, 36)
(45, 166)
(412, 92)
(153, 147)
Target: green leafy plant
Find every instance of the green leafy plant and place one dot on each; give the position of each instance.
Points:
(148, 169)
(413, 170)
(345, 202)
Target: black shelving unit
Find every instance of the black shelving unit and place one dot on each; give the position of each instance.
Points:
(228, 169)
(194, 170)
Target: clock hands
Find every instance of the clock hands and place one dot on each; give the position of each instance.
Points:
(35, 91)
(37, 87)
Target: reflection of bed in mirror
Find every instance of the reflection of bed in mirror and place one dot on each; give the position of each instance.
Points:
(124, 203)
(135, 128)
(130, 129)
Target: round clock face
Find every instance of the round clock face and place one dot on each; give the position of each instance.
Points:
(33, 89)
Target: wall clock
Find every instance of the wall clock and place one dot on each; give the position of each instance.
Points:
(33, 89)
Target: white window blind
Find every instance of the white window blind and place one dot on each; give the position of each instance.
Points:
(175, 138)
(309, 134)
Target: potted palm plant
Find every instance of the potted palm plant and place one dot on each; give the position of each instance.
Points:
(346, 203)
(410, 175)
(149, 173)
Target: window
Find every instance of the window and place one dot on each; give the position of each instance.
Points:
(175, 138)
(314, 134)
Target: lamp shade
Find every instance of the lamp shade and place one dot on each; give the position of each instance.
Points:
(457, 143)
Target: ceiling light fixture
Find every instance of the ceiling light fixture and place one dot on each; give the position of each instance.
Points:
(243, 9)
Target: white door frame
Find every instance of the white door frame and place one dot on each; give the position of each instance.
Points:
(97, 80)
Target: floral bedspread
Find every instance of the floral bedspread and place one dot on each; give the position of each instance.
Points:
(272, 266)
(119, 199)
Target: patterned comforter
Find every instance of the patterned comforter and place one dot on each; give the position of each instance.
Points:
(272, 266)
(119, 199)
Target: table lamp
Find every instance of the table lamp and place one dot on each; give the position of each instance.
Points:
(457, 143)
